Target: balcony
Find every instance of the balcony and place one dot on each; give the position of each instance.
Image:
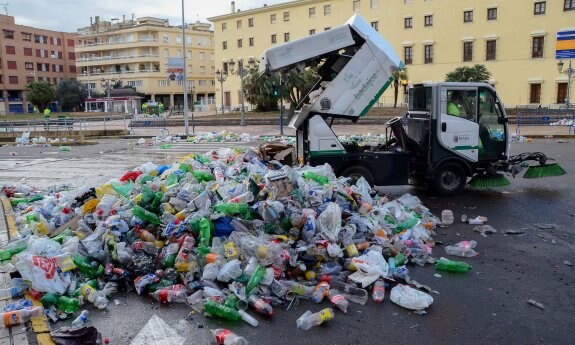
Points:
(128, 74)
(97, 46)
(104, 60)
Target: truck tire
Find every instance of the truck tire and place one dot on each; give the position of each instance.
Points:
(356, 172)
(449, 179)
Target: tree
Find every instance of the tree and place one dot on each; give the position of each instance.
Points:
(296, 85)
(477, 73)
(398, 75)
(259, 89)
(70, 94)
(40, 93)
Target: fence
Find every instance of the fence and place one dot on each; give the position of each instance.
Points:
(545, 117)
(156, 123)
(81, 126)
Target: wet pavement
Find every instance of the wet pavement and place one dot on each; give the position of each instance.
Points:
(486, 305)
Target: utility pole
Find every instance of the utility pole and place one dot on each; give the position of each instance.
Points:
(187, 130)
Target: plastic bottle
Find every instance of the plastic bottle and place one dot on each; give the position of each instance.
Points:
(463, 249)
(232, 208)
(226, 337)
(243, 198)
(260, 306)
(202, 176)
(350, 247)
(296, 288)
(93, 296)
(308, 320)
(338, 300)
(184, 253)
(7, 254)
(447, 217)
(322, 180)
(353, 294)
(149, 237)
(215, 309)
(18, 317)
(255, 279)
(320, 291)
(378, 292)
(145, 215)
(454, 266)
(167, 296)
(18, 288)
(81, 320)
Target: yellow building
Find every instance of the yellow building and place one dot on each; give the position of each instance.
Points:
(137, 52)
(515, 40)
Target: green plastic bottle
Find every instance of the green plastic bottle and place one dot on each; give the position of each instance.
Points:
(157, 200)
(16, 201)
(453, 266)
(7, 254)
(220, 310)
(146, 215)
(205, 236)
(202, 176)
(171, 179)
(66, 233)
(86, 267)
(66, 304)
(322, 180)
(255, 279)
(399, 259)
(232, 208)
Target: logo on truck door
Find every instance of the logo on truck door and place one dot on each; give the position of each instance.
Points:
(325, 103)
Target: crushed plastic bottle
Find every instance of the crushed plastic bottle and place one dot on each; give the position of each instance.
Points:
(81, 320)
(463, 249)
(227, 337)
(309, 319)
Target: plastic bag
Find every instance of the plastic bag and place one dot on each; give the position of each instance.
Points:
(410, 298)
(329, 222)
(211, 272)
(41, 272)
(463, 249)
(231, 270)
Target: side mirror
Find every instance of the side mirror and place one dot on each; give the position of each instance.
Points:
(502, 120)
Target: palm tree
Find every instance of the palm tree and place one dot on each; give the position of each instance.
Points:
(398, 75)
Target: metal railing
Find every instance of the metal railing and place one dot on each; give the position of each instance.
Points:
(78, 126)
(545, 117)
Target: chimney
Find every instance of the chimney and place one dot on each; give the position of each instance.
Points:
(91, 22)
(233, 6)
(97, 18)
(123, 18)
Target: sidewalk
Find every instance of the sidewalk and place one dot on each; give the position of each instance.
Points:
(38, 327)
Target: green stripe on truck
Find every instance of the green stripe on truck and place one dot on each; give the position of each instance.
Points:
(327, 152)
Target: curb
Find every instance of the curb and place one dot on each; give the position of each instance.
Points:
(40, 325)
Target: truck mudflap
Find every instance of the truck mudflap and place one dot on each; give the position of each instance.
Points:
(381, 168)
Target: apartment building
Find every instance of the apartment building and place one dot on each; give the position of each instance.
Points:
(28, 54)
(515, 40)
(137, 52)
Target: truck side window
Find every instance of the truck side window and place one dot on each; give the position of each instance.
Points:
(462, 103)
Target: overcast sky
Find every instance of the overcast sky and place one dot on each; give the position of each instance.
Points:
(69, 15)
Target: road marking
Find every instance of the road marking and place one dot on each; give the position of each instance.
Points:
(157, 332)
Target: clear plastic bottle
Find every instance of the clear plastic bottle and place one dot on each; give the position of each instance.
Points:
(94, 296)
(463, 249)
(378, 292)
(166, 296)
(18, 288)
(308, 320)
(338, 300)
(447, 217)
(227, 337)
(320, 291)
(81, 320)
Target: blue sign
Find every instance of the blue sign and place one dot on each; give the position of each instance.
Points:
(565, 48)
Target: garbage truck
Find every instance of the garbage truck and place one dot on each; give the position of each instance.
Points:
(431, 145)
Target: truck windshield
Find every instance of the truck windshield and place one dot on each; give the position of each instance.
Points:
(420, 99)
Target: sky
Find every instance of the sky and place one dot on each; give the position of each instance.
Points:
(70, 15)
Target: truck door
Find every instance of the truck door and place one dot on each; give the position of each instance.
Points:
(492, 127)
(458, 128)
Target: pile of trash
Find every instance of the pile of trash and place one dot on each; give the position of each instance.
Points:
(41, 141)
(220, 137)
(223, 232)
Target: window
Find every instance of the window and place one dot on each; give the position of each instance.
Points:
(72, 69)
(202, 69)
(189, 54)
(28, 52)
(240, 43)
(29, 79)
(272, 18)
(178, 39)
(10, 50)
(274, 38)
(26, 37)
(539, 8)
(467, 16)
(70, 43)
(490, 50)
(311, 12)
(40, 39)
(375, 26)
(461, 103)
(251, 22)
(29, 66)
(8, 34)
(202, 56)
(224, 26)
(356, 5)
(327, 10)
(373, 4)
(569, 5)
(428, 53)
(166, 38)
(286, 16)
(12, 65)
(251, 41)
(189, 40)
(537, 49)
(428, 20)
(135, 83)
(312, 32)
(224, 45)
(71, 56)
(408, 55)
(201, 82)
(239, 24)
(561, 92)
(492, 13)
(212, 56)
(467, 51)
(12, 80)
(408, 23)
(286, 36)
(534, 93)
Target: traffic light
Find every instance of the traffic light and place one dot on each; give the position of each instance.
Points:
(275, 92)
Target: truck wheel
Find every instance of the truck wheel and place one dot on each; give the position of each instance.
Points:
(356, 172)
(449, 179)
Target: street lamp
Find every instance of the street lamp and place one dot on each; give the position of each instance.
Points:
(569, 71)
(241, 73)
(107, 83)
(221, 77)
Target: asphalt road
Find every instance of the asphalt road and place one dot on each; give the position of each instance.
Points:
(488, 305)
